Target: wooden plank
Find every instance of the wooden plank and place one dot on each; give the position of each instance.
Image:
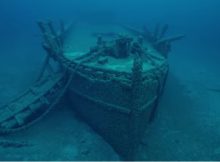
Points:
(5, 114)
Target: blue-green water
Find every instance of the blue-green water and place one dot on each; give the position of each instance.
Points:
(188, 119)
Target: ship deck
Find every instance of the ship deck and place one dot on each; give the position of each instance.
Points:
(84, 36)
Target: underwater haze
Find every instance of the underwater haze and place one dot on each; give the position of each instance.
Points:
(187, 124)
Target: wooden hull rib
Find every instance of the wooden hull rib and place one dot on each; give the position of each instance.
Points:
(33, 104)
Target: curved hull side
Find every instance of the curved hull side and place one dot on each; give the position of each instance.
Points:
(114, 125)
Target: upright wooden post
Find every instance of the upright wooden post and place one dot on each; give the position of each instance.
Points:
(137, 84)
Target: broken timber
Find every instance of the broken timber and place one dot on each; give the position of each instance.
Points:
(33, 104)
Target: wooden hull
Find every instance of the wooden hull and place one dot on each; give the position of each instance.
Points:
(106, 105)
(117, 84)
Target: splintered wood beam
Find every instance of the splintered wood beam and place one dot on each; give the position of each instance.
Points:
(53, 33)
(44, 30)
(53, 40)
(170, 39)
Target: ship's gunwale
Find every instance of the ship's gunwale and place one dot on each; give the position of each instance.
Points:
(108, 74)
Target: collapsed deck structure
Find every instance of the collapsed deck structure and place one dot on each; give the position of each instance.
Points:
(112, 75)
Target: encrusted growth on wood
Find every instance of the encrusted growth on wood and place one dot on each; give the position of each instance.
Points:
(157, 38)
(124, 97)
(32, 105)
(137, 82)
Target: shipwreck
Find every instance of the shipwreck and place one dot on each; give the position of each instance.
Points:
(113, 76)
